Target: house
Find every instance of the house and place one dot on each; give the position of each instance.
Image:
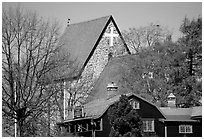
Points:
(163, 122)
(182, 121)
(94, 114)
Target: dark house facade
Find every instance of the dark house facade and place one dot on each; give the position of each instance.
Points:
(92, 119)
(94, 114)
(183, 122)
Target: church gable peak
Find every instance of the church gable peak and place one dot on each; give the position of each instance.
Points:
(82, 39)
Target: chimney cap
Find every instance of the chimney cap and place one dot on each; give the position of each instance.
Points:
(171, 95)
(112, 84)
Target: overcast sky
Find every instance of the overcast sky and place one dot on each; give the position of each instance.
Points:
(126, 15)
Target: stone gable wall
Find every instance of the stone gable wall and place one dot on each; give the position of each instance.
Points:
(98, 61)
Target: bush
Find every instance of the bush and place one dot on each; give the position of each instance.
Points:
(124, 120)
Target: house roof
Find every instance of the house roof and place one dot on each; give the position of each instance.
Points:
(96, 108)
(113, 72)
(196, 111)
(181, 114)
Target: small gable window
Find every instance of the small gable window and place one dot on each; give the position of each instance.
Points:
(148, 125)
(78, 112)
(185, 129)
(135, 104)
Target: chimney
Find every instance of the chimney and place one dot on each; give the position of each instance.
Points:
(111, 89)
(171, 100)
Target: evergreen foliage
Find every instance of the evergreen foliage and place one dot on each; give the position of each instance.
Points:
(124, 120)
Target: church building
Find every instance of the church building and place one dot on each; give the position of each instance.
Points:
(101, 54)
(91, 44)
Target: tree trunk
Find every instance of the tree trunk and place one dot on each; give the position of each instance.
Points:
(48, 114)
(20, 129)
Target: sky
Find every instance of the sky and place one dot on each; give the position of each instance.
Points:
(126, 14)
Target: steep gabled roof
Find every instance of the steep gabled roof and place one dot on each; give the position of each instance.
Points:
(81, 39)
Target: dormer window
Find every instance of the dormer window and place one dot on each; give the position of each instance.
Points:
(135, 104)
(79, 112)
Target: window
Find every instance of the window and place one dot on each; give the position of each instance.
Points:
(148, 125)
(135, 104)
(99, 125)
(78, 112)
(185, 129)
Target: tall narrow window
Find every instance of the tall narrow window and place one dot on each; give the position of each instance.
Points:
(135, 104)
(99, 125)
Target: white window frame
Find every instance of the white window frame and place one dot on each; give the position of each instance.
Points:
(135, 104)
(185, 129)
(101, 125)
(146, 123)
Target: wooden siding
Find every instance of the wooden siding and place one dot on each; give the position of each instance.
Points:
(173, 129)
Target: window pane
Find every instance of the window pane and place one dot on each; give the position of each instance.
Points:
(182, 128)
(149, 125)
(144, 125)
(188, 129)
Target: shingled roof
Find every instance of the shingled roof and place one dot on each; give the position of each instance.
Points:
(96, 108)
(81, 39)
(182, 114)
(114, 72)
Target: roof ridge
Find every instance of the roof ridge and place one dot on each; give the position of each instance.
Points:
(91, 20)
(176, 108)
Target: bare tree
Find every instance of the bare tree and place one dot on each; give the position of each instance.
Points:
(29, 48)
(145, 36)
